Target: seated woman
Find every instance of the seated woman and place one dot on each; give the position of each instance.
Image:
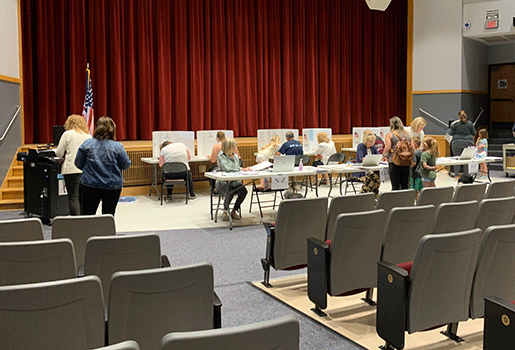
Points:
(267, 153)
(365, 148)
(324, 150)
(228, 161)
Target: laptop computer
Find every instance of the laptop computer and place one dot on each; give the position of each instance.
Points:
(372, 160)
(468, 153)
(283, 164)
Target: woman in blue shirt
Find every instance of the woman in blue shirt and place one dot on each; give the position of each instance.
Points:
(101, 160)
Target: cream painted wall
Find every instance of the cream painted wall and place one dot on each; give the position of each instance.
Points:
(9, 55)
(437, 45)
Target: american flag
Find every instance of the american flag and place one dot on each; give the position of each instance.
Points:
(87, 110)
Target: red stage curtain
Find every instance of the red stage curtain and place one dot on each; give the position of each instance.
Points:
(213, 64)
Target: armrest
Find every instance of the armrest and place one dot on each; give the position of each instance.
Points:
(268, 260)
(164, 261)
(392, 292)
(318, 277)
(217, 311)
(499, 329)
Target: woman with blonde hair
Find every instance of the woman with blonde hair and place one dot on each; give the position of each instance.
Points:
(75, 134)
(268, 152)
(399, 175)
(323, 151)
(228, 161)
(417, 128)
(428, 161)
(462, 132)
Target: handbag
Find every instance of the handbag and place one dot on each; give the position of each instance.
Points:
(402, 152)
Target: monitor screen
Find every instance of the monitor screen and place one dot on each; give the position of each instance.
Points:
(57, 133)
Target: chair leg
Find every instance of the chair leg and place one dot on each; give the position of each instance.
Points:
(452, 329)
(368, 297)
(162, 192)
(187, 191)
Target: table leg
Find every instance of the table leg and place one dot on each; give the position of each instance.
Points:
(155, 174)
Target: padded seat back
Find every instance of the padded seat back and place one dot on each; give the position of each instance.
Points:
(57, 315)
(456, 217)
(395, 199)
(282, 333)
(435, 195)
(21, 230)
(494, 274)
(500, 189)
(296, 221)
(403, 231)
(80, 228)
(469, 192)
(36, 261)
(441, 279)
(495, 211)
(355, 250)
(348, 204)
(110, 254)
(145, 305)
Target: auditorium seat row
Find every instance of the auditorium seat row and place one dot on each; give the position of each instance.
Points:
(299, 219)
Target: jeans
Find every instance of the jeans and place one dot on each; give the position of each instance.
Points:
(241, 191)
(72, 182)
(399, 176)
(91, 198)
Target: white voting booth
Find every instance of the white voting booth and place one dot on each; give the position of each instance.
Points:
(310, 140)
(265, 135)
(357, 134)
(185, 137)
(206, 139)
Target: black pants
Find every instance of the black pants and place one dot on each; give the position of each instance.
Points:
(399, 176)
(239, 190)
(72, 182)
(91, 198)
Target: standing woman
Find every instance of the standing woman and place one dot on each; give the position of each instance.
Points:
(417, 129)
(76, 133)
(399, 175)
(462, 132)
(228, 161)
(267, 153)
(102, 160)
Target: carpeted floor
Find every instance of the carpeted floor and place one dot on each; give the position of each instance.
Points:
(235, 256)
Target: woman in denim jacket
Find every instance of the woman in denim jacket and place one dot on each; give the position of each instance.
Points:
(101, 160)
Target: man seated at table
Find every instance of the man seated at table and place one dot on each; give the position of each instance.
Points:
(291, 146)
(177, 152)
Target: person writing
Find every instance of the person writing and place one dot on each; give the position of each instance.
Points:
(291, 146)
(324, 150)
(101, 160)
(267, 153)
(220, 136)
(228, 161)
(177, 152)
(462, 132)
(76, 133)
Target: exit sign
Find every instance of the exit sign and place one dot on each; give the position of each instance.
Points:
(493, 24)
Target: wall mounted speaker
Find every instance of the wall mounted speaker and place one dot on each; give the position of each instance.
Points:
(380, 5)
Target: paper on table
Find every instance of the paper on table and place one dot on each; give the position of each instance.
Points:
(261, 166)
